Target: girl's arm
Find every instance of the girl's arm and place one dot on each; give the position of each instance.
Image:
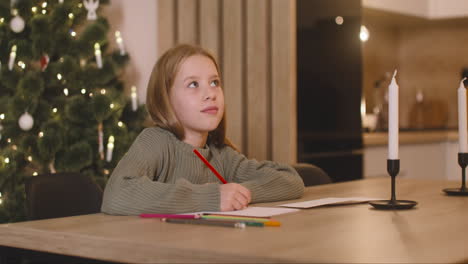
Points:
(267, 181)
(132, 191)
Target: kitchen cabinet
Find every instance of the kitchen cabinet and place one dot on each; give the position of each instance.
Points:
(429, 9)
(432, 159)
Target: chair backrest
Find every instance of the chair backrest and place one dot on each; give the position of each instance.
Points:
(311, 174)
(61, 194)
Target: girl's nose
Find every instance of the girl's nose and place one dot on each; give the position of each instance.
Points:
(210, 94)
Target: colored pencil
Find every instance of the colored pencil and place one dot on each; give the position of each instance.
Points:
(209, 166)
(204, 222)
(234, 215)
(234, 218)
(265, 222)
(179, 216)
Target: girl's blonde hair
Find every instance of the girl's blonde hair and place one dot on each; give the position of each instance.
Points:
(159, 86)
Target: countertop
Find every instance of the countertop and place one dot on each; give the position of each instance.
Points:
(411, 137)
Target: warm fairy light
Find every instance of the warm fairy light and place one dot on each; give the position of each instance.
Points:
(1, 201)
(80, 5)
(120, 124)
(41, 134)
(14, 12)
(83, 91)
(59, 76)
(65, 91)
(30, 158)
(103, 91)
(106, 172)
(91, 94)
(14, 147)
(21, 64)
(71, 16)
(34, 9)
(54, 110)
(9, 140)
(2, 20)
(2, 116)
(111, 106)
(35, 173)
(73, 33)
(44, 5)
(98, 55)
(0, 195)
(44, 11)
(364, 33)
(7, 160)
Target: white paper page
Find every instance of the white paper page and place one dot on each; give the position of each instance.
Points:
(256, 212)
(328, 201)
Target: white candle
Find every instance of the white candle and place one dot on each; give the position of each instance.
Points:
(110, 148)
(11, 61)
(462, 129)
(97, 53)
(119, 41)
(393, 119)
(134, 99)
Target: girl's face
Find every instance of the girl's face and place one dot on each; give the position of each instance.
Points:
(196, 96)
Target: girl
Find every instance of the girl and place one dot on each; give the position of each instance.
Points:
(160, 173)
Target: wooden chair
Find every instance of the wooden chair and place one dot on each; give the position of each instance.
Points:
(61, 194)
(311, 174)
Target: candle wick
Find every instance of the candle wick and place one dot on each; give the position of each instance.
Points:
(394, 73)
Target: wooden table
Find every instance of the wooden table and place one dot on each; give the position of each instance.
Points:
(434, 232)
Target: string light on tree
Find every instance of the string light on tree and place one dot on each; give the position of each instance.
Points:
(133, 95)
(103, 91)
(34, 9)
(97, 53)
(11, 61)
(30, 159)
(119, 41)
(83, 91)
(26, 121)
(110, 148)
(65, 91)
(35, 173)
(22, 65)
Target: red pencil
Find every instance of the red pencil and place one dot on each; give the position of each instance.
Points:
(211, 167)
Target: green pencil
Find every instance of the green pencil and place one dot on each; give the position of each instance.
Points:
(204, 222)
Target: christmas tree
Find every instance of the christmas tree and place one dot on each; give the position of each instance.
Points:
(63, 107)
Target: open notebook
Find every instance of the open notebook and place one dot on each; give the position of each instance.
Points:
(329, 201)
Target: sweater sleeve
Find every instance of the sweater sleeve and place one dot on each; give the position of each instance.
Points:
(132, 191)
(268, 181)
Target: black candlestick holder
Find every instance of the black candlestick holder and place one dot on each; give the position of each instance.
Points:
(462, 191)
(393, 168)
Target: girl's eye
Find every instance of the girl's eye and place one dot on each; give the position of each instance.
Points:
(214, 83)
(193, 85)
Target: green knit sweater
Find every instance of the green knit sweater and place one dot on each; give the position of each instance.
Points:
(161, 174)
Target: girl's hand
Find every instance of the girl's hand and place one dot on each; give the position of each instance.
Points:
(234, 197)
